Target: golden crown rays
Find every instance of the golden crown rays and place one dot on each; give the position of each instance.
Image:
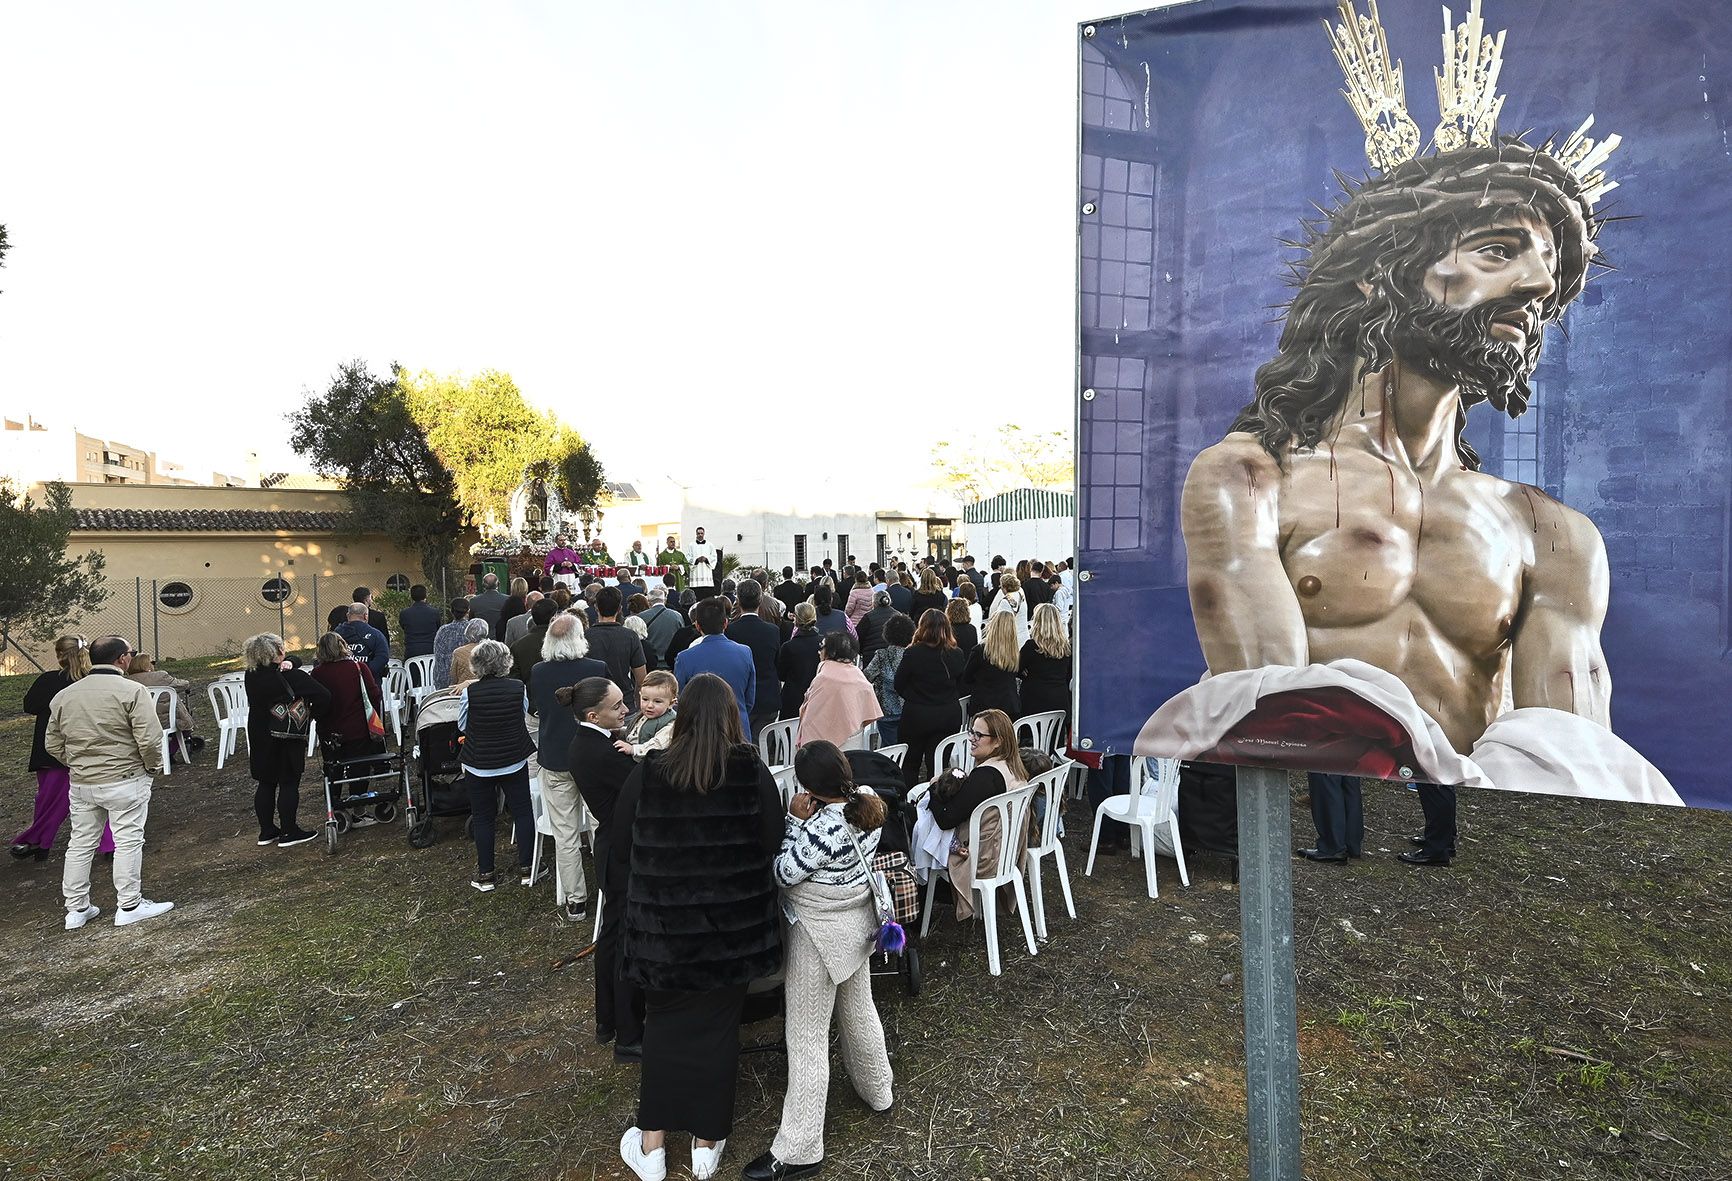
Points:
(1375, 89)
(1467, 97)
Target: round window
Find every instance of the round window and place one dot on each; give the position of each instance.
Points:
(276, 591)
(175, 597)
(398, 583)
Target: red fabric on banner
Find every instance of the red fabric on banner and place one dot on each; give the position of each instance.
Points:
(1324, 729)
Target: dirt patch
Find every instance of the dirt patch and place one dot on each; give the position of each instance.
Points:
(1557, 1005)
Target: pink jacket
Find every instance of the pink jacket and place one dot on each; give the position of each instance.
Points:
(838, 704)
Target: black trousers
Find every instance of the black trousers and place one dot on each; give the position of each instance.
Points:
(923, 728)
(484, 804)
(703, 592)
(768, 708)
(284, 798)
(1338, 812)
(1437, 801)
(691, 1059)
(619, 1003)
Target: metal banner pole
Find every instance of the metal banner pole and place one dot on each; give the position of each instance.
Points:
(1266, 944)
(155, 622)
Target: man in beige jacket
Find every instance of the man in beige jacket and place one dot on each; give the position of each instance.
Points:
(105, 729)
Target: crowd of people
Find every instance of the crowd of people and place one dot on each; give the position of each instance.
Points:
(636, 705)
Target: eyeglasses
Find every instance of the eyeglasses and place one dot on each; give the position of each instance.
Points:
(977, 735)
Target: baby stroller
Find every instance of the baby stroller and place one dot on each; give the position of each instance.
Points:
(884, 777)
(437, 788)
(356, 784)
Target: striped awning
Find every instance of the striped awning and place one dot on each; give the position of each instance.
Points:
(1021, 504)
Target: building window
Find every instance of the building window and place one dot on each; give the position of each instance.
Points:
(398, 583)
(883, 548)
(1118, 239)
(841, 549)
(176, 598)
(1112, 449)
(1523, 455)
(800, 553)
(276, 591)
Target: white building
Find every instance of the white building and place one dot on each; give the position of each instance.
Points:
(797, 521)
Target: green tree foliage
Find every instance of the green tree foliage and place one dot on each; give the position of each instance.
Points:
(985, 463)
(363, 430)
(43, 589)
(490, 437)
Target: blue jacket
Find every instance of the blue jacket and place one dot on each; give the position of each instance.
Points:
(730, 661)
(368, 644)
(420, 623)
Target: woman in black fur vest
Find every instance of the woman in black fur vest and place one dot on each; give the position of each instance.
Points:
(704, 820)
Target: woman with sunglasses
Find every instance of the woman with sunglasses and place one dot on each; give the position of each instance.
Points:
(941, 831)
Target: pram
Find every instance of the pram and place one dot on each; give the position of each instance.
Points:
(884, 776)
(437, 788)
(355, 783)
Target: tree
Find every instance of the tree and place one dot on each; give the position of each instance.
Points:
(42, 587)
(986, 463)
(490, 437)
(4, 246)
(363, 431)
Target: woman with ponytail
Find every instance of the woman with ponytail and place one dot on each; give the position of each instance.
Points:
(53, 787)
(832, 831)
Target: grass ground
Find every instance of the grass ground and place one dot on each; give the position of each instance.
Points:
(1557, 1005)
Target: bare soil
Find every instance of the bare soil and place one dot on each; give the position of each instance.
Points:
(1555, 1005)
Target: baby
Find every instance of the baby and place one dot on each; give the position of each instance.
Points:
(654, 727)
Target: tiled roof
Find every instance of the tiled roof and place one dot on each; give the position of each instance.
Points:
(107, 520)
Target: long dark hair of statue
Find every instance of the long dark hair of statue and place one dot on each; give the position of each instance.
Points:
(1331, 324)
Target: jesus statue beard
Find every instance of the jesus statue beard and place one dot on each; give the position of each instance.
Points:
(1456, 346)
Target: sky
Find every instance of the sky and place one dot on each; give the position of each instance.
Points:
(688, 228)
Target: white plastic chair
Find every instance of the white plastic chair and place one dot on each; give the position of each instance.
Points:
(786, 783)
(420, 670)
(1043, 729)
(312, 737)
(1010, 808)
(1152, 803)
(228, 704)
(963, 702)
(157, 693)
(543, 828)
(394, 695)
(776, 742)
(955, 751)
(899, 752)
(1049, 788)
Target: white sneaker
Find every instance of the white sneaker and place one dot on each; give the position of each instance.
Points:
(649, 1166)
(705, 1161)
(146, 909)
(77, 918)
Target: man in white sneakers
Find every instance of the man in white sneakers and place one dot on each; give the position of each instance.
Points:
(104, 727)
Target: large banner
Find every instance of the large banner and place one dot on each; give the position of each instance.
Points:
(1403, 413)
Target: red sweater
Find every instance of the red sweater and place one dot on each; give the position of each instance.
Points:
(345, 718)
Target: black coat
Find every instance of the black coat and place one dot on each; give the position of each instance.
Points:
(600, 769)
(765, 640)
(990, 687)
(870, 626)
(278, 760)
(701, 903)
(37, 699)
(1046, 681)
(796, 665)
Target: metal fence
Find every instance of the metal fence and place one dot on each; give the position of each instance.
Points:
(188, 619)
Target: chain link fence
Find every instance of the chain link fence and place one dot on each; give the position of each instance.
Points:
(195, 619)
